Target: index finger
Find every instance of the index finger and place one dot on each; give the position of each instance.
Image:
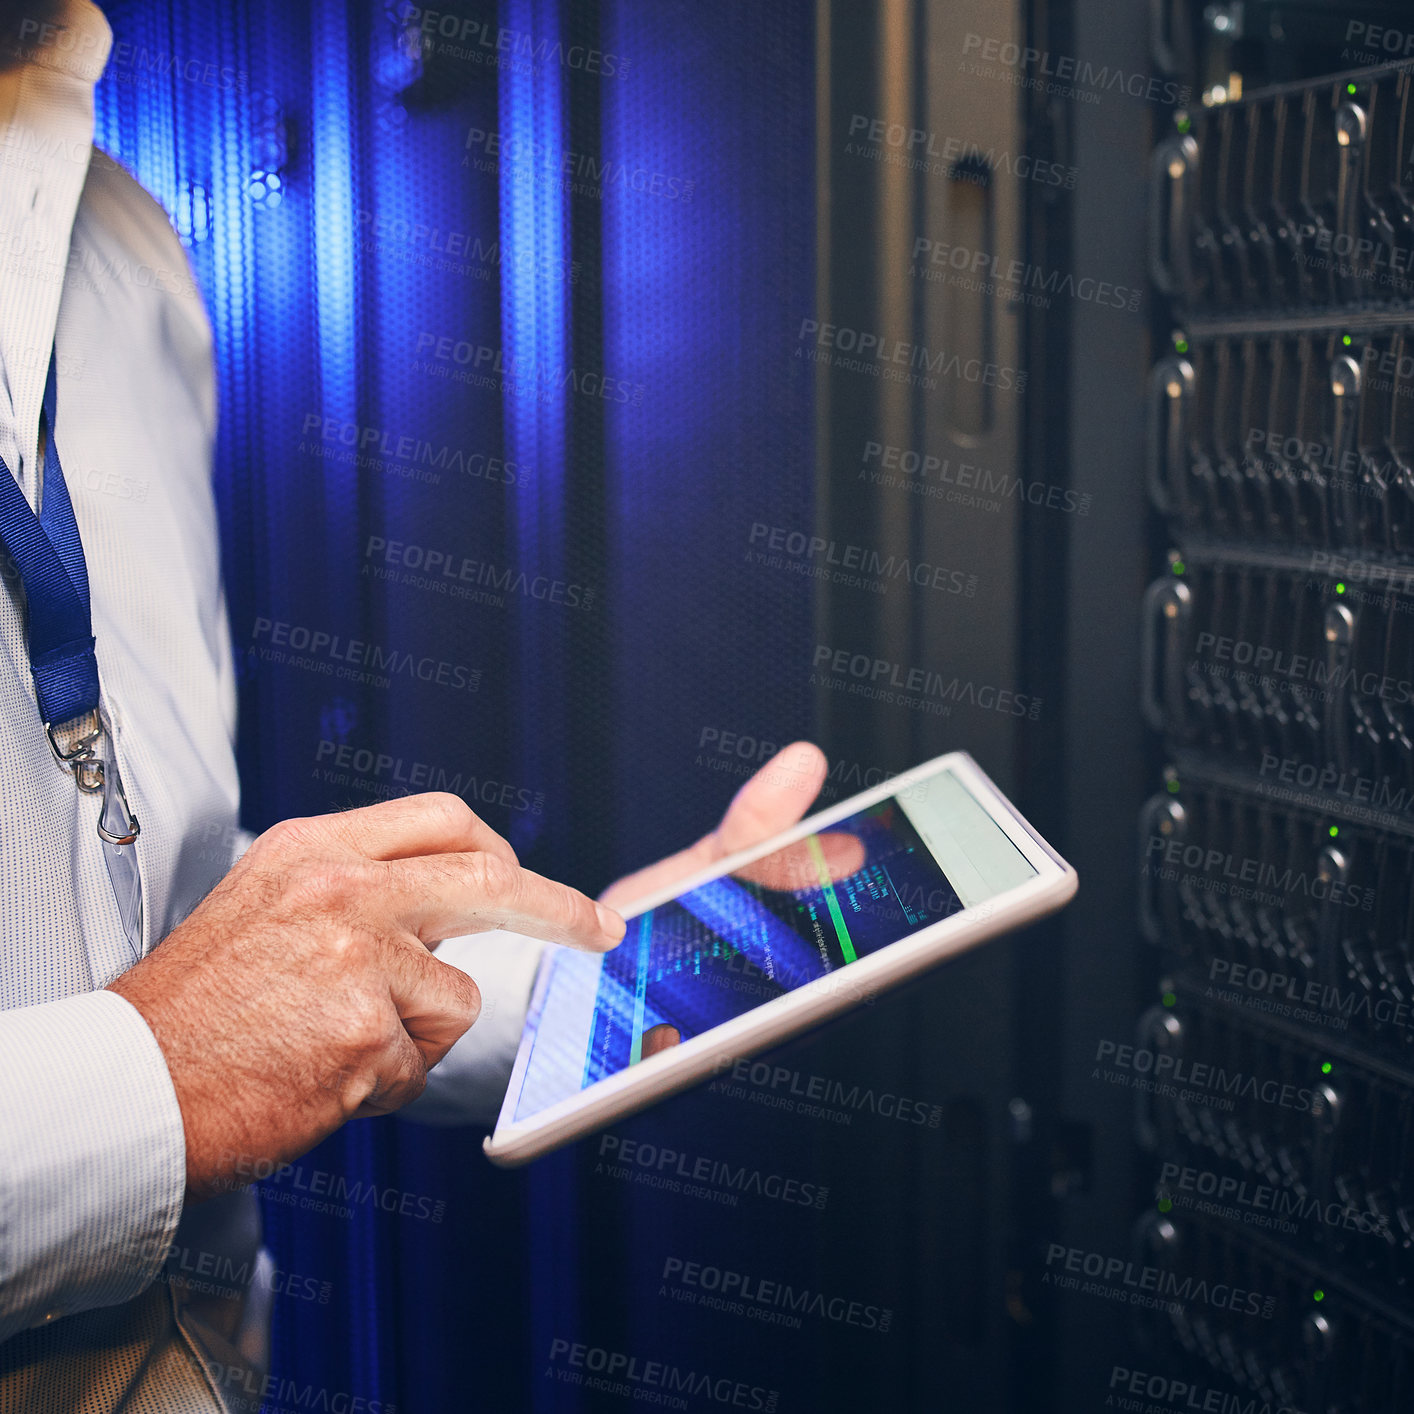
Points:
(433, 822)
(444, 895)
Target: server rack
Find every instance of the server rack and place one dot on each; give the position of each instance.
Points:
(1276, 856)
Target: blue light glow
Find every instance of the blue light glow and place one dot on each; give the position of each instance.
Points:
(536, 352)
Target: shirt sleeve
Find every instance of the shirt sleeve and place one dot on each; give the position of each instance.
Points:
(92, 1158)
(469, 1083)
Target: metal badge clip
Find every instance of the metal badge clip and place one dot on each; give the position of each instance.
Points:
(73, 741)
(74, 746)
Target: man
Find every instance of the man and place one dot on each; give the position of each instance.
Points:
(177, 1008)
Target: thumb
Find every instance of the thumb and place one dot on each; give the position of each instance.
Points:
(775, 798)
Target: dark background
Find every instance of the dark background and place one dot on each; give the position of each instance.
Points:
(675, 220)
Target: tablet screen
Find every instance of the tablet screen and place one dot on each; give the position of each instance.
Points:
(785, 919)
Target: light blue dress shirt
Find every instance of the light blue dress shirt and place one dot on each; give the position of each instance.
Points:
(92, 1158)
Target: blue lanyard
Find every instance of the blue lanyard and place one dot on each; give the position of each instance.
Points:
(48, 555)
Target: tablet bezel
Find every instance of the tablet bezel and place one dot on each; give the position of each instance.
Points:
(702, 1056)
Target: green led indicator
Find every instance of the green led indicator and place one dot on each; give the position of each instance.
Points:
(1325, 1067)
(1173, 787)
(1340, 586)
(1318, 1295)
(1335, 831)
(1185, 123)
(1181, 345)
(1178, 566)
(1169, 999)
(1350, 88)
(1165, 1204)
(1346, 340)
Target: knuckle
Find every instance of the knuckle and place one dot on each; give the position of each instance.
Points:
(364, 1027)
(466, 999)
(447, 810)
(492, 876)
(297, 832)
(586, 916)
(344, 950)
(353, 1086)
(402, 1080)
(327, 886)
(571, 910)
(277, 838)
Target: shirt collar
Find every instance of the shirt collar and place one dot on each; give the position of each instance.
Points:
(46, 136)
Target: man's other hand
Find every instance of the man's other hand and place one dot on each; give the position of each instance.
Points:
(773, 800)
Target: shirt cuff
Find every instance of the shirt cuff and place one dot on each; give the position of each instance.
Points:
(469, 1083)
(92, 1158)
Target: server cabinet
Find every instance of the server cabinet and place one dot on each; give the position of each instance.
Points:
(1274, 856)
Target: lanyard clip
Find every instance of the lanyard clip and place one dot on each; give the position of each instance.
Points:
(74, 746)
(72, 742)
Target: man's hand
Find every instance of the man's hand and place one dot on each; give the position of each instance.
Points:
(302, 991)
(774, 799)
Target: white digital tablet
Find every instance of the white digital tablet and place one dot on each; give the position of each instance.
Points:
(771, 941)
